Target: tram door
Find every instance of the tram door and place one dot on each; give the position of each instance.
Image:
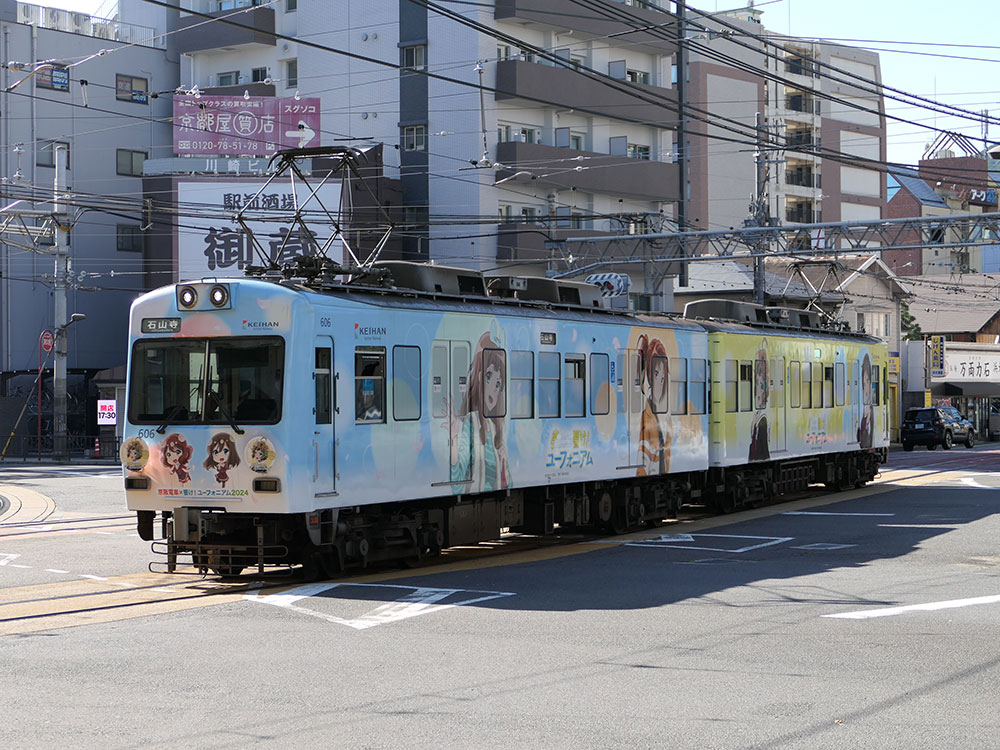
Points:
(634, 402)
(856, 399)
(449, 388)
(777, 403)
(324, 442)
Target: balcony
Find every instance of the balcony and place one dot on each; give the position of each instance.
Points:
(802, 178)
(801, 213)
(569, 90)
(194, 35)
(566, 15)
(254, 89)
(82, 23)
(601, 173)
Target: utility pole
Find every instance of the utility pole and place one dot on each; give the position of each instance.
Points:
(681, 10)
(759, 212)
(61, 251)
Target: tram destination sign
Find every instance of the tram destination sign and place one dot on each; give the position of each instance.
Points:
(237, 125)
(161, 325)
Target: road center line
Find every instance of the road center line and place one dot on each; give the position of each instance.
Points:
(928, 607)
(821, 513)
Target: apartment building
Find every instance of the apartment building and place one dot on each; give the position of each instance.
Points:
(97, 98)
(822, 126)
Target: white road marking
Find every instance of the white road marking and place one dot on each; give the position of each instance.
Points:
(822, 513)
(770, 542)
(418, 601)
(106, 533)
(55, 570)
(164, 591)
(93, 578)
(674, 538)
(824, 546)
(929, 607)
(6, 557)
(25, 567)
(973, 483)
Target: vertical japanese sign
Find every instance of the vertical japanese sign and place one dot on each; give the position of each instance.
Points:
(237, 125)
(937, 356)
(213, 245)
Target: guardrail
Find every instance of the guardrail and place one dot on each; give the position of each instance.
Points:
(26, 448)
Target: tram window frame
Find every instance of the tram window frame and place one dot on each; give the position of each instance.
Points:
(745, 398)
(376, 353)
(805, 382)
(323, 380)
(400, 397)
(549, 372)
(660, 406)
(794, 384)
(575, 391)
(828, 386)
(678, 378)
(817, 385)
(776, 386)
(876, 385)
(522, 386)
(732, 386)
(698, 386)
(500, 409)
(840, 383)
(600, 375)
(760, 395)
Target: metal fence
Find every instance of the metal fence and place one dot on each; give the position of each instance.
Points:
(95, 447)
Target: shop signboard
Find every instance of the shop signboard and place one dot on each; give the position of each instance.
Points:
(937, 357)
(238, 125)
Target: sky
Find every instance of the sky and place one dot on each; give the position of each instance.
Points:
(921, 44)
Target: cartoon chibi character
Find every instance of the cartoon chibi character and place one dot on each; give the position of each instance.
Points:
(260, 455)
(867, 412)
(654, 451)
(759, 449)
(134, 453)
(222, 456)
(478, 453)
(175, 456)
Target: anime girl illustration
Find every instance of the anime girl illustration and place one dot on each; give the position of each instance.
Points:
(867, 412)
(260, 455)
(654, 451)
(222, 456)
(478, 452)
(134, 454)
(175, 456)
(759, 449)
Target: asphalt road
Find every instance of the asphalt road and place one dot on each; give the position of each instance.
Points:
(862, 619)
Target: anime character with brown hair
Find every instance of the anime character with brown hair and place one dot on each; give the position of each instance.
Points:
(478, 452)
(222, 456)
(654, 451)
(759, 448)
(175, 456)
(134, 454)
(867, 413)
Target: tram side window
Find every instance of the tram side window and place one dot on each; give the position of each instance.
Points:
(322, 379)
(548, 384)
(746, 385)
(522, 380)
(678, 386)
(369, 385)
(876, 382)
(827, 386)
(600, 384)
(494, 385)
(794, 370)
(406, 387)
(731, 385)
(697, 391)
(817, 381)
(574, 370)
(838, 382)
(806, 385)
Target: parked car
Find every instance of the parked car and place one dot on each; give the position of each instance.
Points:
(934, 426)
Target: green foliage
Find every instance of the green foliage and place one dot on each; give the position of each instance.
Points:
(911, 329)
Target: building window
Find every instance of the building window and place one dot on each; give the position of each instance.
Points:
(576, 142)
(129, 238)
(291, 6)
(415, 57)
(635, 151)
(415, 138)
(291, 73)
(45, 155)
(230, 78)
(258, 75)
(131, 89)
(130, 162)
(637, 76)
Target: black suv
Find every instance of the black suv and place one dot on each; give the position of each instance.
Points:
(934, 426)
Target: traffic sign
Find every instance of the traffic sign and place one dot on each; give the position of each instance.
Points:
(47, 340)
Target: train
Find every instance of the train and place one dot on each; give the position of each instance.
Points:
(330, 421)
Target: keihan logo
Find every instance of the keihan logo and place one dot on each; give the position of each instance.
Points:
(360, 330)
(258, 325)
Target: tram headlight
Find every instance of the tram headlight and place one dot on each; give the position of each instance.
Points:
(219, 295)
(187, 297)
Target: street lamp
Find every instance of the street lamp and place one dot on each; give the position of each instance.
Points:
(59, 388)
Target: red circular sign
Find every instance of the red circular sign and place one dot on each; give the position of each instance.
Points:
(47, 340)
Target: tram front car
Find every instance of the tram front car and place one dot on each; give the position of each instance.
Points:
(208, 442)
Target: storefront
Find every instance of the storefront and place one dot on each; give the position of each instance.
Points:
(966, 376)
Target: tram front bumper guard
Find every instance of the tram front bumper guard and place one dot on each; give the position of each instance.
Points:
(225, 559)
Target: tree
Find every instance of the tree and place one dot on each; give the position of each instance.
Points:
(909, 324)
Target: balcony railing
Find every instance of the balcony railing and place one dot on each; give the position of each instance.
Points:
(801, 214)
(802, 178)
(802, 139)
(81, 23)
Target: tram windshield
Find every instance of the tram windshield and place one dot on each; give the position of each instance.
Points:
(207, 381)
